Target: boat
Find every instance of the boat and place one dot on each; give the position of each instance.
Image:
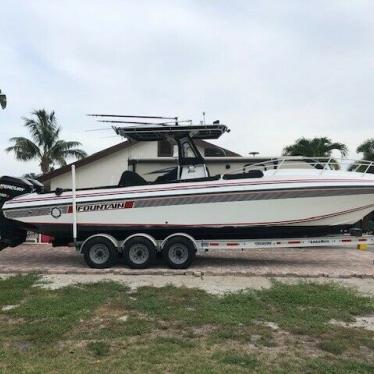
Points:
(283, 197)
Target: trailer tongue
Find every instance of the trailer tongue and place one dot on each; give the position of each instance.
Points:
(13, 233)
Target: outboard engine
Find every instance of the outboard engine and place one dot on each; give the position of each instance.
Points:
(11, 232)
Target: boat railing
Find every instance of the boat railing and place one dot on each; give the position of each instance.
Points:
(322, 164)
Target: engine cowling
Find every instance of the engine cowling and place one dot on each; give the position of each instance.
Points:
(11, 232)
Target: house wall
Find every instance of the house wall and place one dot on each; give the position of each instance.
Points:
(106, 170)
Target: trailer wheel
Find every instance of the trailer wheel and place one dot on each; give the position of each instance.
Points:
(139, 253)
(179, 252)
(100, 253)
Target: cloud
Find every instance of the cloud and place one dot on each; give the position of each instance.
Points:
(273, 71)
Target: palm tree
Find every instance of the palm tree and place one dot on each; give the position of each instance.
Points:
(316, 147)
(44, 145)
(2, 100)
(32, 176)
(367, 148)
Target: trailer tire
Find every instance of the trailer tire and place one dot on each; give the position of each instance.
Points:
(139, 253)
(179, 252)
(100, 253)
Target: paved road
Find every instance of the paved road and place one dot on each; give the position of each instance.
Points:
(285, 262)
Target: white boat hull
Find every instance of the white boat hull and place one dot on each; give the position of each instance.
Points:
(265, 204)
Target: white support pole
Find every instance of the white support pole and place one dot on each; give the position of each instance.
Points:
(74, 194)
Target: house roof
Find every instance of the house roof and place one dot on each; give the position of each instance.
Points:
(115, 148)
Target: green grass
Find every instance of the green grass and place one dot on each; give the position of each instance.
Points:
(248, 361)
(334, 346)
(14, 289)
(81, 328)
(98, 348)
(338, 367)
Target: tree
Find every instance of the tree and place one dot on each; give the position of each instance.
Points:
(367, 148)
(316, 147)
(45, 144)
(2, 100)
(31, 176)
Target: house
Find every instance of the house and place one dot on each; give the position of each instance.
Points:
(105, 167)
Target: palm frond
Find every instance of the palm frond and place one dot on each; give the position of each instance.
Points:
(60, 161)
(43, 127)
(33, 127)
(342, 148)
(316, 147)
(24, 149)
(65, 148)
(79, 154)
(367, 148)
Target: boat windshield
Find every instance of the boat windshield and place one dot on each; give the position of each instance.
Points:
(319, 163)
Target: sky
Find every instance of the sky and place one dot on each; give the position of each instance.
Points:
(273, 71)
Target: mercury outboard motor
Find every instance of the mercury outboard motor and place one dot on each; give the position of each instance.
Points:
(11, 232)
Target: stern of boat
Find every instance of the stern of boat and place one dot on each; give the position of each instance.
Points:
(12, 232)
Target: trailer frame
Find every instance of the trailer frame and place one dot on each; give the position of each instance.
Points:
(322, 241)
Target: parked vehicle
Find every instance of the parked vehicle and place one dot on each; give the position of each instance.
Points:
(286, 197)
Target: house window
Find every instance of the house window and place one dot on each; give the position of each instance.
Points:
(214, 152)
(165, 149)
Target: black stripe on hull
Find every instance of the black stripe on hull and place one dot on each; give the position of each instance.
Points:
(63, 233)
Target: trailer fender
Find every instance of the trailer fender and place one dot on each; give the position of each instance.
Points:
(189, 237)
(142, 235)
(109, 237)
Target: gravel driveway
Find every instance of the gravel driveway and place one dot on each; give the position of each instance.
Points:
(306, 262)
(214, 272)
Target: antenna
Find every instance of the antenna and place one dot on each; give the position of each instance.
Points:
(133, 122)
(254, 154)
(144, 120)
(101, 129)
(132, 116)
(144, 123)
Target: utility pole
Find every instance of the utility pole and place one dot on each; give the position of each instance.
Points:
(2, 100)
